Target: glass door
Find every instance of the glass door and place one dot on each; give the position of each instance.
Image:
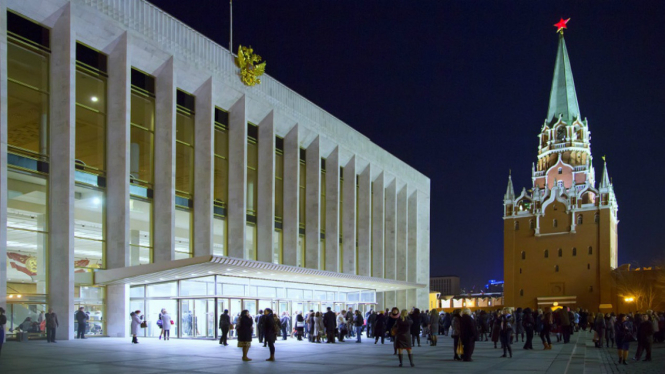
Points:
(235, 307)
(187, 318)
(250, 306)
(198, 318)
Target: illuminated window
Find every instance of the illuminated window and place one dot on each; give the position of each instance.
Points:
(252, 168)
(142, 129)
(184, 147)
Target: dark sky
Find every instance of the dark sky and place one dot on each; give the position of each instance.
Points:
(459, 90)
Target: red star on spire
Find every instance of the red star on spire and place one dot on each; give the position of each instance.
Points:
(561, 25)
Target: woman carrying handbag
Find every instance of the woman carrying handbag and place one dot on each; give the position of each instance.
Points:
(136, 323)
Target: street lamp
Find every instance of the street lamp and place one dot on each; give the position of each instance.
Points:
(629, 299)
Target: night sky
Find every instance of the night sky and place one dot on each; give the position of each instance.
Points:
(459, 90)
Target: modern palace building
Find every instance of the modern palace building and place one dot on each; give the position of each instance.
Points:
(560, 237)
(137, 171)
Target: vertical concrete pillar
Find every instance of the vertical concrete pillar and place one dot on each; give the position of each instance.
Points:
(3, 156)
(389, 299)
(364, 222)
(313, 205)
(204, 138)
(391, 230)
(400, 299)
(412, 248)
(402, 234)
(411, 299)
(61, 189)
(164, 201)
(378, 225)
(380, 300)
(265, 221)
(237, 207)
(291, 195)
(422, 258)
(332, 211)
(349, 265)
(117, 186)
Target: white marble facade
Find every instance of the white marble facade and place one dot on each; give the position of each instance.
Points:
(134, 33)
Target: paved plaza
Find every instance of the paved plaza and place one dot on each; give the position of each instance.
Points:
(114, 355)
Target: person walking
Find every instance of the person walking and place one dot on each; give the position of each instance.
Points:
(284, 323)
(379, 327)
(468, 334)
(565, 326)
(506, 332)
(300, 326)
(496, 328)
(519, 331)
(415, 327)
(403, 336)
(455, 326)
(529, 324)
(330, 323)
(258, 319)
(391, 319)
(166, 324)
(224, 325)
(610, 320)
(623, 334)
(358, 322)
(244, 331)
(136, 324)
(82, 319)
(433, 327)
(310, 326)
(371, 321)
(546, 319)
(270, 331)
(51, 324)
(644, 338)
(349, 321)
(3, 322)
(599, 327)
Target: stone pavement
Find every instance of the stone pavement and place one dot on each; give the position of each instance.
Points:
(115, 355)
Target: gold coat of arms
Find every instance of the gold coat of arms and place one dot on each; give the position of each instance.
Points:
(250, 68)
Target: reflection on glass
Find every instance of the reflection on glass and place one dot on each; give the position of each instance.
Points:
(184, 152)
(183, 224)
(91, 121)
(219, 236)
(140, 231)
(89, 229)
(250, 241)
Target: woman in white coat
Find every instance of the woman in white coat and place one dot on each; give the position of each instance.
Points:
(136, 324)
(319, 329)
(166, 324)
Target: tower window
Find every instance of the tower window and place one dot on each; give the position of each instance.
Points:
(588, 266)
(590, 288)
(521, 292)
(554, 223)
(596, 218)
(590, 250)
(560, 184)
(580, 220)
(523, 255)
(560, 252)
(560, 170)
(574, 251)
(517, 225)
(556, 268)
(531, 225)
(520, 270)
(547, 253)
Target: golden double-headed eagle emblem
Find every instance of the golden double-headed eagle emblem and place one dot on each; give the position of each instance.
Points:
(250, 68)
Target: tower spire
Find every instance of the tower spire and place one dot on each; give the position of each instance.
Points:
(563, 99)
(510, 191)
(605, 182)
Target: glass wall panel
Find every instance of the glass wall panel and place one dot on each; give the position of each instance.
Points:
(140, 231)
(183, 233)
(92, 299)
(27, 98)
(91, 121)
(303, 183)
(142, 138)
(184, 173)
(301, 251)
(137, 291)
(151, 315)
(279, 186)
(198, 286)
(89, 229)
(252, 176)
(277, 247)
(221, 184)
(219, 236)
(162, 289)
(27, 233)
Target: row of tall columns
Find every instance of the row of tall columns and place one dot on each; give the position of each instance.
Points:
(204, 170)
(349, 264)
(378, 225)
(237, 204)
(3, 156)
(332, 228)
(364, 222)
(291, 189)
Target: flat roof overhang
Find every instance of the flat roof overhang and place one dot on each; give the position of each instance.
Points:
(220, 265)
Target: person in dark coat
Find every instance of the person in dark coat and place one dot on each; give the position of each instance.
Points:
(415, 326)
(284, 324)
(271, 329)
(3, 322)
(599, 327)
(506, 332)
(455, 332)
(371, 320)
(330, 323)
(645, 333)
(403, 337)
(82, 319)
(310, 326)
(468, 334)
(623, 334)
(51, 324)
(379, 327)
(258, 319)
(496, 328)
(447, 320)
(391, 319)
(529, 324)
(300, 325)
(244, 330)
(224, 325)
(547, 320)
